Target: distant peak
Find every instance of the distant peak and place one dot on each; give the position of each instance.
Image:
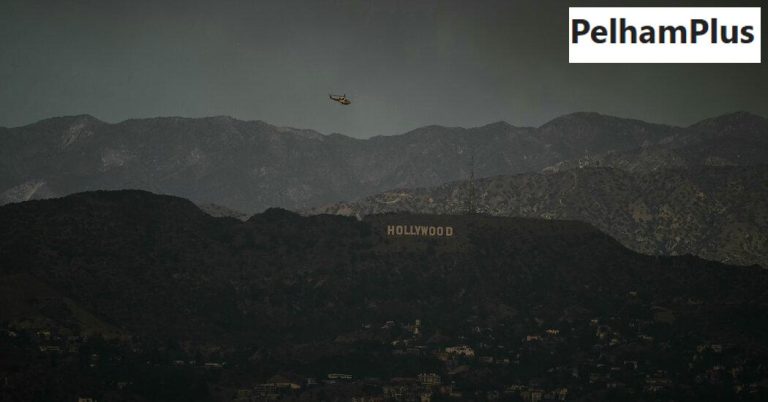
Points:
(582, 115)
(501, 124)
(86, 118)
(275, 215)
(595, 119)
(430, 129)
(79, 119)
(739, 117)
(225, 118)
(742, 114)
(577, 116)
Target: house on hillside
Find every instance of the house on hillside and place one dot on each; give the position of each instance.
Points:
(429, 379)
(282, 382)
(334, 377)
(462, 350)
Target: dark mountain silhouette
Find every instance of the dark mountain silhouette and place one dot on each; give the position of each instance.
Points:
(718, 213)
(123, 254)
(315, 294)
(219, 211)
(251, 165)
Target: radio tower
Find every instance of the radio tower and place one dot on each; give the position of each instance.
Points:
(471, 205)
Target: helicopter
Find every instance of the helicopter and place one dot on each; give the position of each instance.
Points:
(341, 99)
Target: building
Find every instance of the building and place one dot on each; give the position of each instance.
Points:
(339, 376)
(284, 383)
(462, 350)
(429, 379)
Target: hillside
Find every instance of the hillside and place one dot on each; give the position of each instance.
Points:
(737, 139)
(282, 293)
(717, 213)
(251, 165)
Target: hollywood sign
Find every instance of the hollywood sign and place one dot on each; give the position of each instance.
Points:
(419, 230)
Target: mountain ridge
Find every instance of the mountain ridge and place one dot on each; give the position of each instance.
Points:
(90, 117)
(252, 165)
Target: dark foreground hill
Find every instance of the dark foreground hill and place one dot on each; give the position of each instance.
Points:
(181, 297)
(717, 213)
(252, 165)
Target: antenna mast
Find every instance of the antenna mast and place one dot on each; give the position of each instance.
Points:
(471, 204)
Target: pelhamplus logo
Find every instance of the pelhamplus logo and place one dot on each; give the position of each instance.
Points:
(664, 35)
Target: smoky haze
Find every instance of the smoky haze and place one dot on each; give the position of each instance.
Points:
(404, 64)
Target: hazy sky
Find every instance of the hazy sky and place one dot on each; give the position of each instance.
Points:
(404, 63)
